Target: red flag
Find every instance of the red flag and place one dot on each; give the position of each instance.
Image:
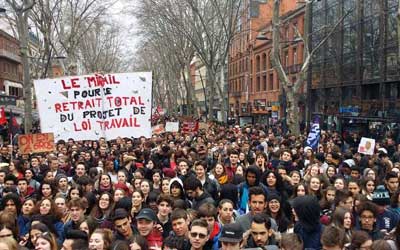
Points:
(13, 124)
(3, 118)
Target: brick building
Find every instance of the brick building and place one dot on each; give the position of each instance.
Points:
(255, 94)
(10, 66)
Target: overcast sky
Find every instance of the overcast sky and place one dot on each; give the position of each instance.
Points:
(127, 21)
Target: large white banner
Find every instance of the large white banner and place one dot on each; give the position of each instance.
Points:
(93, 106)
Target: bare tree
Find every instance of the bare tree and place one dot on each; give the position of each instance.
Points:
(174, 54)
(22, 11)
(292, 90)
(100, 48)
(208, 25)
(75, 20)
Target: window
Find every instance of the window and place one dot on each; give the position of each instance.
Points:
(264, 82)
(264, 57)
(258, 84)
(286, 58)
(258, 63)
(295, 60)
(295, 29)
(271, 81)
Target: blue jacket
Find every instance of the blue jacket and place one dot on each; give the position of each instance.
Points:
(23, 225)
(59, 226)
(387, 220)
(312, 239)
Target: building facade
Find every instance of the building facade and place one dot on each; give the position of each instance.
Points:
(255, 95)
(354, 79)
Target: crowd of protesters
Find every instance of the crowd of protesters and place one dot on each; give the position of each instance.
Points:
(224, 188)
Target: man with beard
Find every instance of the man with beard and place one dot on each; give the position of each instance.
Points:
(252, 177)
(261, 234)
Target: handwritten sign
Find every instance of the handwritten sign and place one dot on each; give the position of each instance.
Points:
(36, 143)
(203, 125)
(366, 146)
(93, 106)
(172, 126)
(190, 126)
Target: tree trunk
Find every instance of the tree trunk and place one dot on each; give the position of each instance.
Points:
(398, 32)
(210, 76)
(293, 112)
(23, 32)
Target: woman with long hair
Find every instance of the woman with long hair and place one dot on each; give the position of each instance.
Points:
(300, 189)
(340, 183)
(274, 210)
(15, 168)
(75, 192)
(314, 187)
(46, 241)
(156, 178)
(88, 225)
(368, 186)
(102, 210)
(219, 173)
(145, 187)
(24, 218)
(104, 184)
(47, 190)
(101, 239)
(331, 173)
(342, 218)
(137, 203)
(165, 185)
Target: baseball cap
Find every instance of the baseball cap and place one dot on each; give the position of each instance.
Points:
(231, 233)
(148, 214)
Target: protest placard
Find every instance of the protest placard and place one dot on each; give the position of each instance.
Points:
(36, 143)
(172, 126)
(158, 129)
(93, 106)
(190, 127)
(366, 146)
(203, 125)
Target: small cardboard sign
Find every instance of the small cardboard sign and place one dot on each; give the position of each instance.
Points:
(36, 143)
(203, 125)
(172, 126)
(366, 146)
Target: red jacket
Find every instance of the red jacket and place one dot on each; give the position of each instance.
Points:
(154, 239)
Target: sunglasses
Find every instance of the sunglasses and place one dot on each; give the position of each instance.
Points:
(200, 235)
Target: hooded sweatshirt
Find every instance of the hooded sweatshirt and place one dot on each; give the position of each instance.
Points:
(308, 227)
(179, 181)
(243, 188)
